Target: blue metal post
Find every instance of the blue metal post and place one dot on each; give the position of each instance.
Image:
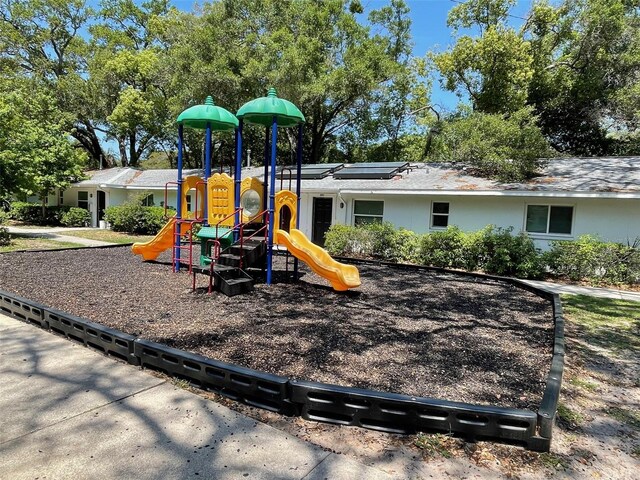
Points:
(272, 197)
(298, 193)
(238, 175)
(176, 238)
(266, 169)
(207, 174)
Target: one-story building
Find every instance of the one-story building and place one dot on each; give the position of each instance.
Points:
(571, 197)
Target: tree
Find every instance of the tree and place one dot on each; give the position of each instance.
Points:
(494, 69)
(507, 147)
(316, 53)
(37, 153)
(129, 70)
(585, 61)
(43, 40)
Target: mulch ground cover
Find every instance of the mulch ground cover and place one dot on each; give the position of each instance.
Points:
(419, 333)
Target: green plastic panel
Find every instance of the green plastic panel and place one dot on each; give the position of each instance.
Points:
(261, 111)
(199, 115)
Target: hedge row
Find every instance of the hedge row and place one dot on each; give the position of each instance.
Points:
(31, 213)
(133, 217)
(493, 250)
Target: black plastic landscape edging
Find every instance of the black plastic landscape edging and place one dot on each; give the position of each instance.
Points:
(382, 411)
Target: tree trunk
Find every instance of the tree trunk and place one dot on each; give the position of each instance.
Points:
(43, 203)
(86, 135)
(123, 152)
(316, 146)
(133, 154)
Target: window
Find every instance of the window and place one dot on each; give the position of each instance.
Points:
(60, 197)
(188, 203)
(367, 211)
(439, 214)
(83, 200)
(148, 201)
(549, 219)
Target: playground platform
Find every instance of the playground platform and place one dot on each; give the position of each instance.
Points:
(69, 412)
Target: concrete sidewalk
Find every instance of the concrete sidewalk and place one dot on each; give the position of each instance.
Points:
(69, 412)
(57, 234)
(589, 291)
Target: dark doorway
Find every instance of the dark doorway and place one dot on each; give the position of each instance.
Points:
(285, 218)
(102, 202)
(322, 215)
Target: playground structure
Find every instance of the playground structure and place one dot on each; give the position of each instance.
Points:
(241, 220)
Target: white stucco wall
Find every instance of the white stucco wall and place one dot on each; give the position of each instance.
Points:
(71, 199)
(611, 219)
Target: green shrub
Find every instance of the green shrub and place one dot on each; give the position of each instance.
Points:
(345, 240)
(5, 238)
(496, 251)
(31, 213)
(337, 238)
(406, 247)
(445, 249)
(25, 212)
(379, 240)
(76, 217)
(493, 250)
(4, 216)
(133, 217)
(588, 258)
(383, 239)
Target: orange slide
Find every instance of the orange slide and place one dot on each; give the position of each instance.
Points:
(158, 244)
(342, 277)
(164, 238)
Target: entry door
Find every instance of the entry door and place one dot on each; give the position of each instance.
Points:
(101, 204)
(322, 215)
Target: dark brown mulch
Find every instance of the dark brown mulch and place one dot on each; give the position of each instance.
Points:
(418, 333)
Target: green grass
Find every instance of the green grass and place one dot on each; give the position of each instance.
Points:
(434, 444)
(568, 416)
(628, 417)
(605, 322)
(108, 236)
(553, 461)
(584, 384)
(181, 383)
(25, 243)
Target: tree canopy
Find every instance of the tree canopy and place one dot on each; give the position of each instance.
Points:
(118, 72)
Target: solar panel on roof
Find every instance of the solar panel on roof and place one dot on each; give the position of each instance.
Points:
(331, 166)
(366, 173)
(399, 165)
(312, 166)
(313, 173)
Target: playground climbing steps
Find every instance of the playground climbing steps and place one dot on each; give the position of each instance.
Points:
(228, 272)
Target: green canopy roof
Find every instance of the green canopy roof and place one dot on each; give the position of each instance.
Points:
(199, 115)
(262, 110)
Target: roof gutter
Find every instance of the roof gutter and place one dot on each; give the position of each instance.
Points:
(494, 193)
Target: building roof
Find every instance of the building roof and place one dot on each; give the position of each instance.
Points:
(110, 176)
(599, 177)
(602, 174)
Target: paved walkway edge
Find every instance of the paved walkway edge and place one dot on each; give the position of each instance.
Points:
(71, 413)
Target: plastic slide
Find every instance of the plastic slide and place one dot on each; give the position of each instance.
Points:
(342, 277)
(158, 244)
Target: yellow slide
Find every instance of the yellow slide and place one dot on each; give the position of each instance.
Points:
(158, 244)
(341, 276)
